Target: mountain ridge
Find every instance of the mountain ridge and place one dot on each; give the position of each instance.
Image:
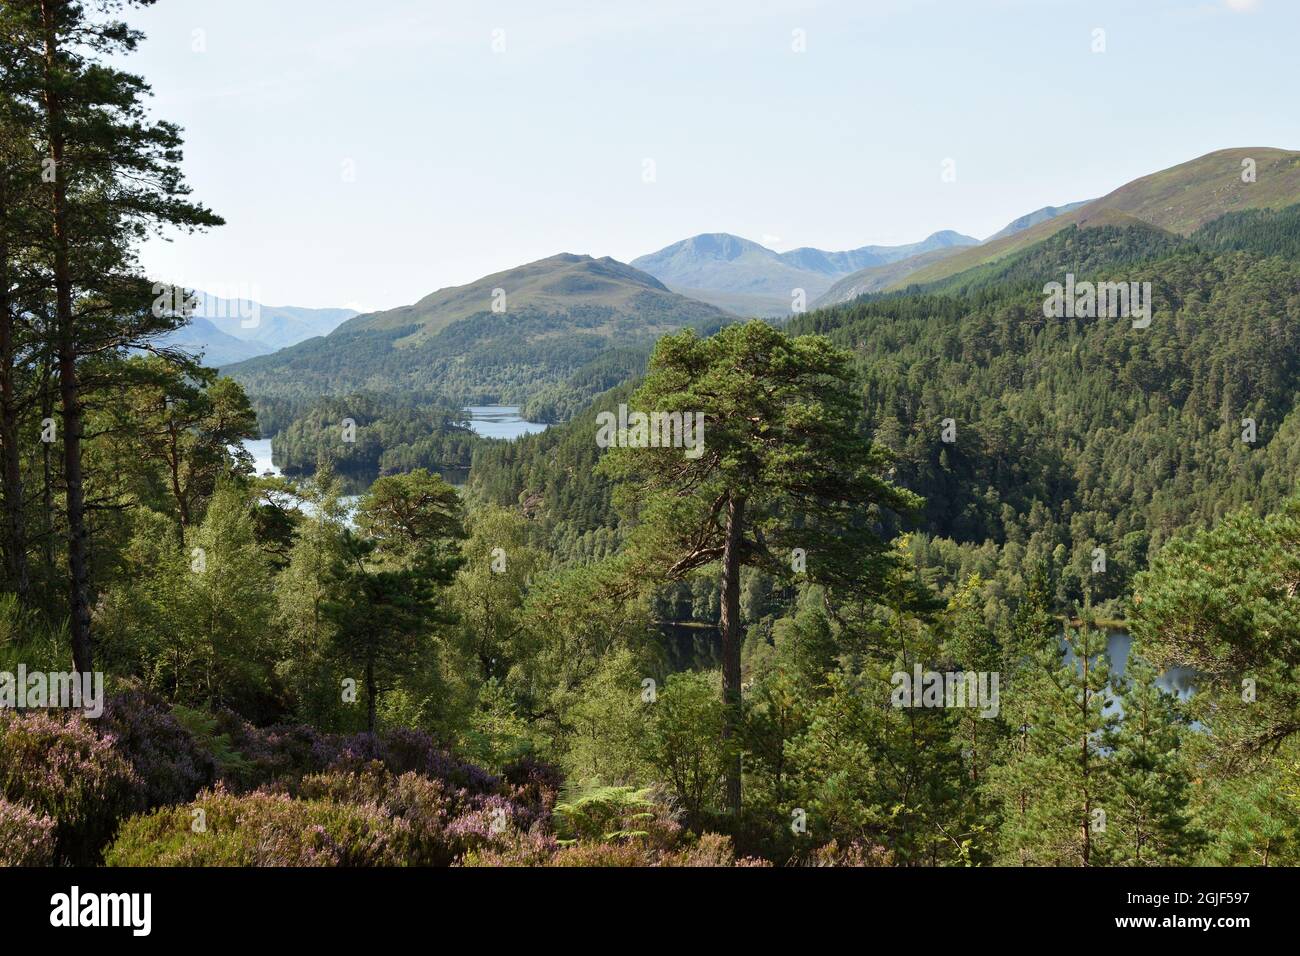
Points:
(226, 331)
(553, 281)
(746, 277)
(200, 337)
(1179, 199)
(501, 336)
(879, 277)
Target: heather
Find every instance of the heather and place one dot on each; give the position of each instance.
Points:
(283, 754)
(171, 764)
(367, 809)
(26, 837)
(441, 821)
(139, 789)
(57, 766)
(259, 829)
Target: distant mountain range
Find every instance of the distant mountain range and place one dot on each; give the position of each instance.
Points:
(226, 331)
(876, 278)
(501, 337)
(201, 337)
(547, 326)
(746, 278)
(749, 279)
(1178, 200)
(1034, 218)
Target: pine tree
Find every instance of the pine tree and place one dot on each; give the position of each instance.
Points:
(972, 646)
(407, 512)
(381, 616)
(1053, 784)
(183, 419)
(1147, 817)
(303, 593)
(228, 601)
(19, 286)
(1030, 645)
(389, 587)
(111, 177)
(872, 772)
(781, 466)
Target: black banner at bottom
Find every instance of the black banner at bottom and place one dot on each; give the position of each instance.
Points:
(222, 906)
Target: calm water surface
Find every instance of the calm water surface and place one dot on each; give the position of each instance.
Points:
(500, 421)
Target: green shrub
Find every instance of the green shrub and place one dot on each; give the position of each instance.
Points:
(605, 814)
(684, 741)
(27, 638)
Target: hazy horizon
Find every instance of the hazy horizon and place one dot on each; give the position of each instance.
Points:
(471, 151)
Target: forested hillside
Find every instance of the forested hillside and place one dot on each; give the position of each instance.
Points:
(503, 338)
(1070, 435)
(1075, 439)
(940, 577)
(361, 437)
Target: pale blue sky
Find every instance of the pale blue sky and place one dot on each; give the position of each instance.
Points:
(468, 161)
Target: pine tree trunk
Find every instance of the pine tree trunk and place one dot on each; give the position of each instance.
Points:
(370, 694)
(730, 627)
(69, 390)
(174, 463)
(15, 531)
(47, 475)
(1087, 802)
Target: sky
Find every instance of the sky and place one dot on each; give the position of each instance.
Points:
(367, 154)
